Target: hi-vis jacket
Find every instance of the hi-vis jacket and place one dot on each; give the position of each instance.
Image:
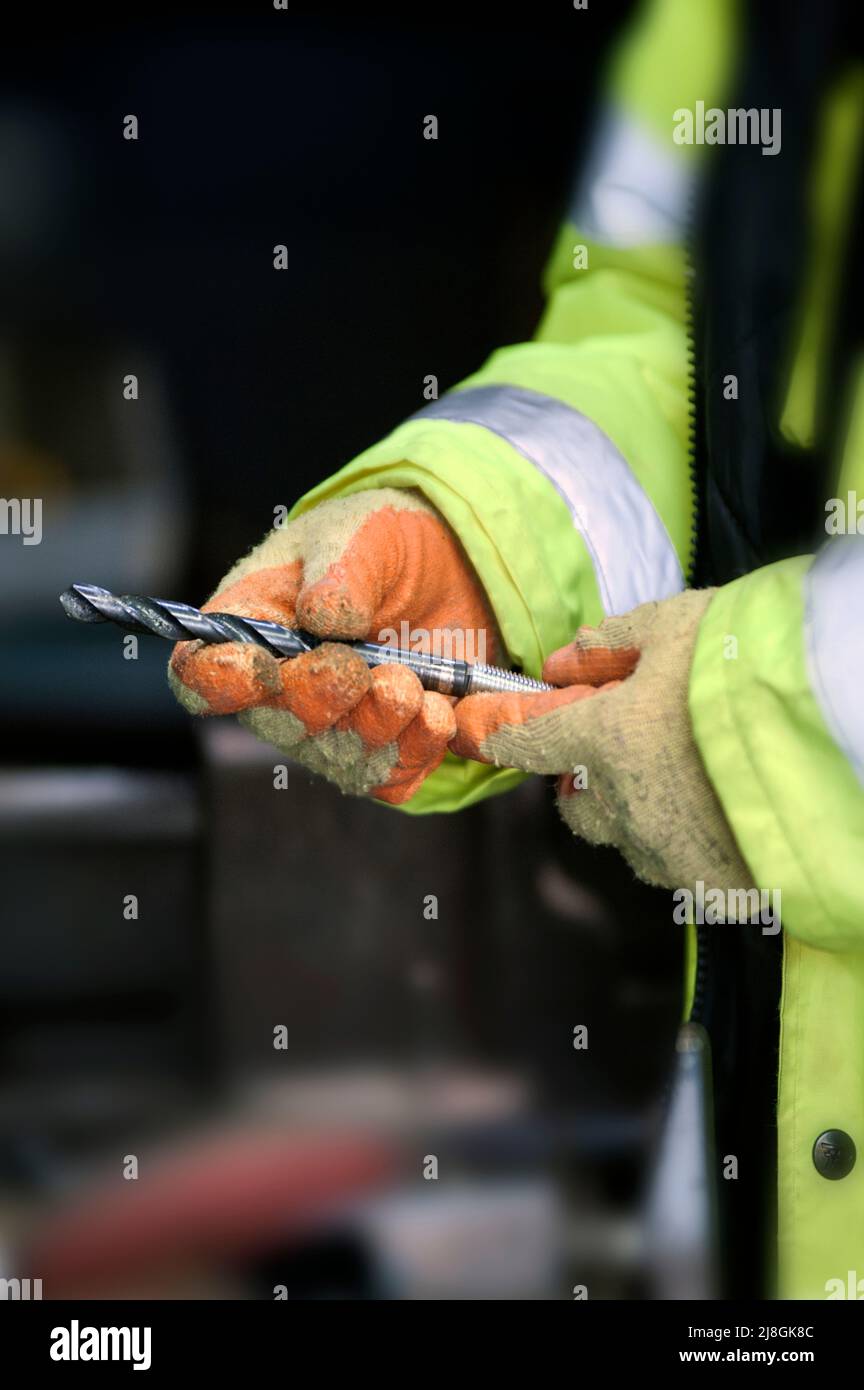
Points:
(660, 430)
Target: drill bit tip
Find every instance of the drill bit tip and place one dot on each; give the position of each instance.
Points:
(75, 604)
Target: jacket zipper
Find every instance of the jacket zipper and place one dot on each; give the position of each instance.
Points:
(701, 965)
(690, 329)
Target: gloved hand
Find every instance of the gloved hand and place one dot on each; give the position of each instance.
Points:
(623, 717)
(351, 568)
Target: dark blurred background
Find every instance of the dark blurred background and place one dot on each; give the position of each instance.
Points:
(451, 1037)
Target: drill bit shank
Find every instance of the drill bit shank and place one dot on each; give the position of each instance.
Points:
(178, 622)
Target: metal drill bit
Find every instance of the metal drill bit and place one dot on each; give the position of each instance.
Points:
(179, 623)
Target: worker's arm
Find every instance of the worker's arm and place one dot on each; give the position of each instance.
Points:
(778, 715)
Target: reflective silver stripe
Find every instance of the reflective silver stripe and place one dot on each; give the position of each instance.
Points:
(834, 638)
(634, 189)
(633, 557)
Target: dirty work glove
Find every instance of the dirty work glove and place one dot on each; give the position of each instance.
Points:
(623, 718)
(352, 567)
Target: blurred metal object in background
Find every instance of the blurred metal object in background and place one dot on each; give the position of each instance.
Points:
(681, 1217)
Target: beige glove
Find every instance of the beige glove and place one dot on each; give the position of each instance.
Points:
(358, 566)
(623, 718)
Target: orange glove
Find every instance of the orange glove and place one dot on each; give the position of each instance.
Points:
(353, 567)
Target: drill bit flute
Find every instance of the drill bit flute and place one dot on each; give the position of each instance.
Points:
(177, 622)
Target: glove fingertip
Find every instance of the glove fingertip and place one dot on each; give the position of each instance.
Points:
(339, 604)
(594, 665)
(223, 678)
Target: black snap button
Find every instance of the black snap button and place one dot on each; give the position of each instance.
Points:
(834, 1154)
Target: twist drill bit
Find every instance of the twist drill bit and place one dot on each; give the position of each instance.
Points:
(178, 622)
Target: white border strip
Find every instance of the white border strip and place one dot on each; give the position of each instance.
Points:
(633, 556)
(834, 641)
(634, 190)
